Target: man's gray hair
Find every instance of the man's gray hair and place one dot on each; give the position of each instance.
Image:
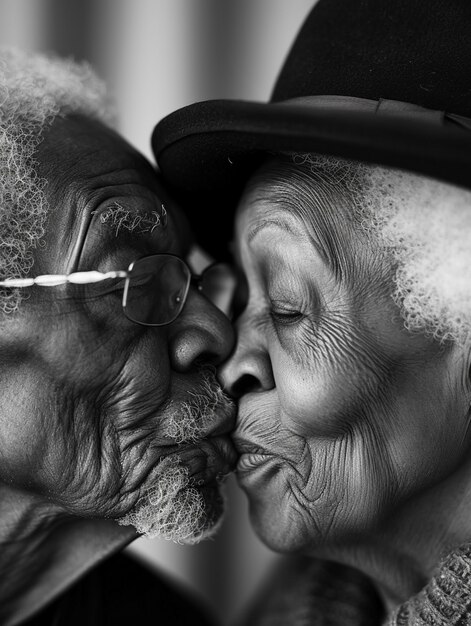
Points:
(34, 89)
(424, 225)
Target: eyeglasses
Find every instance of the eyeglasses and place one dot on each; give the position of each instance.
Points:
(156, 287)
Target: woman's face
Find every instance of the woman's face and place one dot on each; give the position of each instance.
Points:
(343, 413)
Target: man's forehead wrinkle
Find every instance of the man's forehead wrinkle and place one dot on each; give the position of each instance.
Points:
(100, 186)
(134, 172)
(63, 226)
(93, 155)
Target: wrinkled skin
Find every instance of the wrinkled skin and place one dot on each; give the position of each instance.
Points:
(87, 394)
(343, 414)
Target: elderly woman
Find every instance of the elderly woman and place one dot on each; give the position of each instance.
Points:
(352, 366)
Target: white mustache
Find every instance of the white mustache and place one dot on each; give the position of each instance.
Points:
(190, 418)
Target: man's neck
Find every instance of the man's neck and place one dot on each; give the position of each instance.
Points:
(43, 552)
(404, 553)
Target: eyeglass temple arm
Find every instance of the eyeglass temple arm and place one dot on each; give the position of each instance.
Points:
(51, 280)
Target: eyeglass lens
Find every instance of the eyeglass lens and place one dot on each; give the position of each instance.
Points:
(156, 290)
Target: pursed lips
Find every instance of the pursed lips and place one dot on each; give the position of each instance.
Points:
(216, 442)
(244, 446)
(221, 435)
(251, 458)
(253, 453)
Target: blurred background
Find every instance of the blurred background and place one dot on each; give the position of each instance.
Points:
(156, 56)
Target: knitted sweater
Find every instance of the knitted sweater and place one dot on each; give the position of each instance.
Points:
(445, 601)
(307, 592)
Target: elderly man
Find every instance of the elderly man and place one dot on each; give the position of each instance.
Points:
(352, 364)
(112, 423)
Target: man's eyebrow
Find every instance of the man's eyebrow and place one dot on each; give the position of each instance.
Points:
(273, 221)
(120, 218)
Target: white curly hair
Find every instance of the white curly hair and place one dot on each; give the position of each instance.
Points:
(424, 225)
(34, 89)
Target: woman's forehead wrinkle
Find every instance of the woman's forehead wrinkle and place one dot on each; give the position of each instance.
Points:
(325, 206)
(323, 203)
(305, 213)
(324, 212)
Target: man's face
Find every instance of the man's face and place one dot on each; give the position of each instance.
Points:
(102, 417)
(343, 414)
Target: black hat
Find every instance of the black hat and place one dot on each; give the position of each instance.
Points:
(381, 81)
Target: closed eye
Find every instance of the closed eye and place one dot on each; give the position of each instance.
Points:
(285, 315)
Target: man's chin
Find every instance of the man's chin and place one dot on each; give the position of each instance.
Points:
(212, 514)
(175, 509)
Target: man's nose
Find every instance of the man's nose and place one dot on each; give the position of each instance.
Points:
(249, 368)
(201, 333)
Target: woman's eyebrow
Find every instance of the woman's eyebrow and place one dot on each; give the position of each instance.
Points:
(278, 222)
(321, 238)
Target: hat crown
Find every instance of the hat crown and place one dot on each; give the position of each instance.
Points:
(379, 81)
(407, 50)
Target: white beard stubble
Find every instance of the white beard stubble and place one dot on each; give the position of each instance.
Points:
(173, 507)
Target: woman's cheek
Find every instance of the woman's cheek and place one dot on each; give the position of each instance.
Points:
(318, 403)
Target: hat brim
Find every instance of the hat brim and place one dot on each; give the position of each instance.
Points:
(205, 151)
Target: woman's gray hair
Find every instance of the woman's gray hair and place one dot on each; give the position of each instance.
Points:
(424, 225)
(34, 89)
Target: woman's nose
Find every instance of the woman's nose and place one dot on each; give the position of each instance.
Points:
(201, 334)
(249, 368)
